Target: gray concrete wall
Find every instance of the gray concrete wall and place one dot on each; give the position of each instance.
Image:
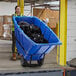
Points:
(7, 8)
(71, 30)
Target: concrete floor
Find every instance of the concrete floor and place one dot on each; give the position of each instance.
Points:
(72, 63)
(7, 65)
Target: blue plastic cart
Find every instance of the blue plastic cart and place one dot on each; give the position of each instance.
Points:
(27, 48)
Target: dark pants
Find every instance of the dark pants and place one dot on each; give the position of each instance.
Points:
(13, 42)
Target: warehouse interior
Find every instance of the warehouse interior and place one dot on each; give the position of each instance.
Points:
(59, 16)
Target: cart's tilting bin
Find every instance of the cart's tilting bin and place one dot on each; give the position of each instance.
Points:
(27, 47)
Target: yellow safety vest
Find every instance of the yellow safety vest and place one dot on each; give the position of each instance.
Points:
(13, 23)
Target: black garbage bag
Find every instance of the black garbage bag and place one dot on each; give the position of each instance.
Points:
(34, 29)
(38, 38)
(24, 25)
(33, 32)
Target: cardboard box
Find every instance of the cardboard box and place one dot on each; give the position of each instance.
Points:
(1, 19)
(52, 22)
(44, 14)
(7, 19)
(1, 30)
(7, 31)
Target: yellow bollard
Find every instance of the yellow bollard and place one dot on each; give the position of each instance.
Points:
(58, 52)
(18, 2)
(63, 31)
(22, 6)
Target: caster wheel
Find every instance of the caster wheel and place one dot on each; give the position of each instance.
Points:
(40, 62)
(23, 62)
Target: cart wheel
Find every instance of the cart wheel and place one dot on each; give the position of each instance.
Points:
(40, 62)
(23, 62)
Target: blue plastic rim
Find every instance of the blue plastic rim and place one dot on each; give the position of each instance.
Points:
(28, 47)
